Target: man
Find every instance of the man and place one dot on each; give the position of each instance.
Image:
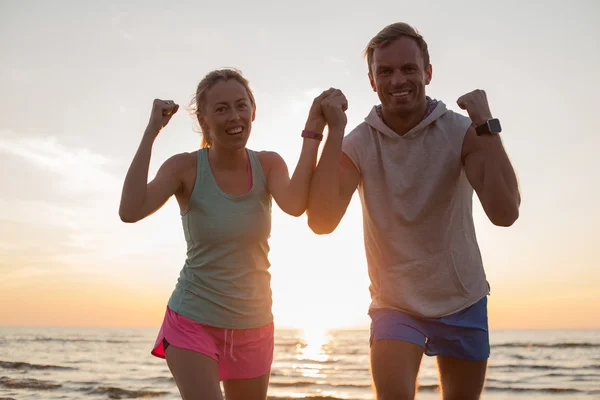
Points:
(415, 164)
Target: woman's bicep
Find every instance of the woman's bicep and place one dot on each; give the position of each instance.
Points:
(164, 185)
(278, 178)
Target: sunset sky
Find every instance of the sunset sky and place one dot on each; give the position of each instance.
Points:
(78, 79)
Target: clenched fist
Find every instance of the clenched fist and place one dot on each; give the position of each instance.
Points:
(162, 111)
(476, 105)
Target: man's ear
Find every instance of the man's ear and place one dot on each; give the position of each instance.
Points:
(372, 82)
(428, 74)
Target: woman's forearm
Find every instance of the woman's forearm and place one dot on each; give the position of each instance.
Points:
(136, 180)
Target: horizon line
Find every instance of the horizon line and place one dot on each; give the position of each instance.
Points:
(289, 328)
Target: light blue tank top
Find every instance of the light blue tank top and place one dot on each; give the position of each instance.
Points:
(225, 280)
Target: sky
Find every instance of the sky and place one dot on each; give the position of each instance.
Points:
(77, 83)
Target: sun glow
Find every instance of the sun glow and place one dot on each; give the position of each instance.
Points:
(312, 354)
(314, 340)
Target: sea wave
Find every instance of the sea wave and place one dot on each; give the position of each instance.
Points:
(544, 367)
(159, 379)
(118, 393)
(431, 388)
(69, 340)
(517, 389)
(27, 366)
(548, 390)
(288, 342)
(307, 398)
(286, 371)
(320, 383)
(305, 361)
(36, 384)
(565, 345)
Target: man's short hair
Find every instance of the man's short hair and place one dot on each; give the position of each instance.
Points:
(393, 32)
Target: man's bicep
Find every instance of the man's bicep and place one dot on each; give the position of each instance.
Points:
(474, 164)
(473, 160)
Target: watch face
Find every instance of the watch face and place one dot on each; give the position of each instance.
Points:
(494, 125)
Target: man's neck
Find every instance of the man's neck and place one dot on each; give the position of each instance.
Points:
(402, 123)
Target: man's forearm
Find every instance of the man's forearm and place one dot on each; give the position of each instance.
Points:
(500, 188)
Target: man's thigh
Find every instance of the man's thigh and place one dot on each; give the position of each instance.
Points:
(396, 352)
(461, 379)
(395, 367)
(462, 346)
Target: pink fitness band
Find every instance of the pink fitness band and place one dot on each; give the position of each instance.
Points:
(312, 135)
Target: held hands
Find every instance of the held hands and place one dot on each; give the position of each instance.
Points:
(162, 111)
(476, 105)
(334, 108)
(328, 108)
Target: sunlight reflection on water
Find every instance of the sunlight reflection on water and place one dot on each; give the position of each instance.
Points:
(311, 352)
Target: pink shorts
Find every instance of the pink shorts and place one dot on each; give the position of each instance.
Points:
(240, 353)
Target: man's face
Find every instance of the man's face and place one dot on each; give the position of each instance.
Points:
(399, 76)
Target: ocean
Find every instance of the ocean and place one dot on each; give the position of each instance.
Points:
(115, 363)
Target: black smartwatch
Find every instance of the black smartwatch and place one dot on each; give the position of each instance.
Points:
(490, 127)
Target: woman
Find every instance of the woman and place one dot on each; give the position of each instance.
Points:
(218, 325)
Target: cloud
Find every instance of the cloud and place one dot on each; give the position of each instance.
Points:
(63, 210)
(81, 170)
(19, 76)
(336, 60)
(77, 227)
(301, 102)
(310, 94)
(35, 212)
(340, 63)
(118, 17)
(117, 23)
(30, 244)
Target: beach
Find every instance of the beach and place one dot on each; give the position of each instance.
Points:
(115, 363)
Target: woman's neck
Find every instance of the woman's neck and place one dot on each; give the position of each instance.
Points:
(227, 159)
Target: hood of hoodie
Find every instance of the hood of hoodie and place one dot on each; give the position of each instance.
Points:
(377, 123)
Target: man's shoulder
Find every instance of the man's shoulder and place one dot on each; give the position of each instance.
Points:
(358, 138)
(453, 126)
(452, 120)
(357, 141)
(358, 131)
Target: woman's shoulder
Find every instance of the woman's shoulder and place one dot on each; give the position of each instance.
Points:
(269, 160)
(181, 161)
(184, 158)
(266, 155)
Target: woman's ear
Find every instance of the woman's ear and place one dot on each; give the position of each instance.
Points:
(253, 112)
(202, 122)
